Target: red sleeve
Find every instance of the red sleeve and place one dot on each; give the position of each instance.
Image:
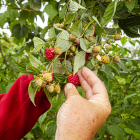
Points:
(17, 113)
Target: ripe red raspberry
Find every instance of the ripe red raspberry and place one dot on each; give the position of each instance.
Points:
(87, 56)
(74, 79)
(50, 53)
(52, 78)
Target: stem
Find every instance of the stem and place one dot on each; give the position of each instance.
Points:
(128, 88)
(66, 10)
(3, 54)
(53, 62)
(129, 114)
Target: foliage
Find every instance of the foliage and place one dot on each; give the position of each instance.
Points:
(24, 53)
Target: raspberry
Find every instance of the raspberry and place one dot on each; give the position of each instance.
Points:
(109, 47)
(72, 38)
(73, 48)
(87, 56)
(57, 51)
(48, 77)
(108, 41)
(50, 53)
(39, 82)
(90, 38)
(50, 88)
(117, 37)
(58, 25)
(57, 89)
(74, 79)
(96, 49)
(116, 59)
(105, 59)
(78, 41)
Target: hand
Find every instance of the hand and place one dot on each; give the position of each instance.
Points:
(79, 118)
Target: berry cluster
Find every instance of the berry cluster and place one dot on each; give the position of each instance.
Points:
(45, 81)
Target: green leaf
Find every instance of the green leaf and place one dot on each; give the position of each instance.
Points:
(56, 66)
(32, 70)
(110, 11)
(51, 10)
(32, 89)
(107, 70)
(34, 4)
(66, 66)
(79, 61)
(129, 96)
(98, 29)
(128, 131)
(51, 33)
(130, 5)
(139, 53)
(51, 129)
(116, 131)
(76, 28)
(59, 78)
(74, 6)
(2, 20)
(83, 45)
(136, 135)
(89, 32)
(13, 14)
(21, 67)
(34, 61)
(19, 31)
(70, 17)
(123, 40)
(96, 20)
(63, 41)
(23, 16)
(38, 43)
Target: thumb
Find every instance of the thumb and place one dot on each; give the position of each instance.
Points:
(70, 90)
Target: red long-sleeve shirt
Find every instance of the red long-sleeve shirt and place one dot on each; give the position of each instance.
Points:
(17, 113)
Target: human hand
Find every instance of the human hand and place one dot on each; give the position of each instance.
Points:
(79, 118)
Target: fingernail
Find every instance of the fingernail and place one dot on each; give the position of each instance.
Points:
(69, 85)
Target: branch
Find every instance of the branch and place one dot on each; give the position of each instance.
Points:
(3, 56)
(128, 88)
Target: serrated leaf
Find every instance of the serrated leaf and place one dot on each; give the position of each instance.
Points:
(2, 19)
(51, 129)
(123, 40)
(63, 41)
(34, 61)
(51, 10)
(32, 91)
(51, 33)
(48, 95)
(38, 43)
(56, 66)
(79, 61)
(96, 20)
(35, 5)
(67, 66)
(74, 6)
(59, 78)
(130, 5)
(107, 71)
(70, 17)
(83, 45)
(137, 135)
(128, 131)
(116, 131)
(89, 32)
(110, 11)
(21, 67)
(32, 70)
(19, 31)
(76, 28)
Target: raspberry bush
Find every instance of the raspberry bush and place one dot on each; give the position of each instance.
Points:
(78, 35)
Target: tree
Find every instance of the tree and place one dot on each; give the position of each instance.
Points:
(78, 31)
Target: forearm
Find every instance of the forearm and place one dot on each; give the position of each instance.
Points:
(17, 113)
